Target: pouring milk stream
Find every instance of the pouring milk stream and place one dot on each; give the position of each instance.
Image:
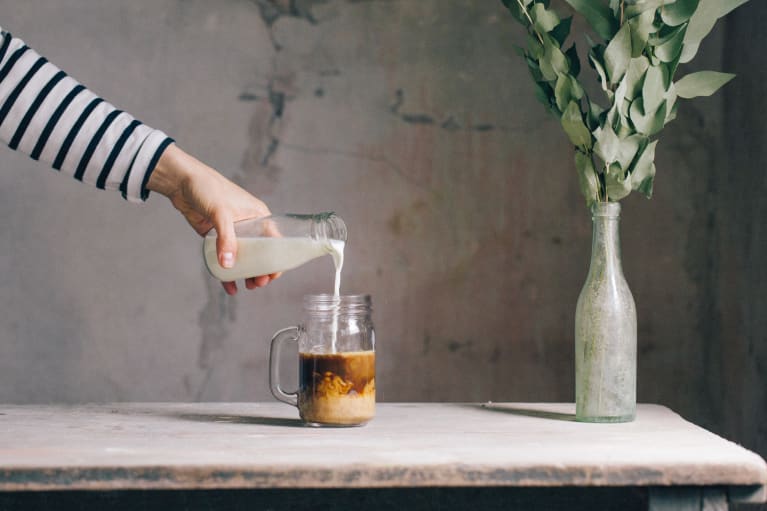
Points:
(279, 243)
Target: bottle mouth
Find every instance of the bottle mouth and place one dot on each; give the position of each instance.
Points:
(606, 209)
(328, 226)
(344, 304)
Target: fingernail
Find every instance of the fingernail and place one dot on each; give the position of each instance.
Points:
(227, 259)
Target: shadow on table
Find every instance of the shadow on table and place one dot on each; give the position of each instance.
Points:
(527, 412)
(238, 419)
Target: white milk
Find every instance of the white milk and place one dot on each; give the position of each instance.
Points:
(264, 256)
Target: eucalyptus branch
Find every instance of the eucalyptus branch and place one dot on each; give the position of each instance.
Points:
(532, 24)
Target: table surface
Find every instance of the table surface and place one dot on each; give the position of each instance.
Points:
(263, 445)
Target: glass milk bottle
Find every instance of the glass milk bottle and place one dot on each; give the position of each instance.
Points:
(278, 243)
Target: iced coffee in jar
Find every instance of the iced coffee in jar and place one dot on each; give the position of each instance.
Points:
(336, 344)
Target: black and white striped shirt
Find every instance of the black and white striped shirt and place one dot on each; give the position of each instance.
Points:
(51, 117)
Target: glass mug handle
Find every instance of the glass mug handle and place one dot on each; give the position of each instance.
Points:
(286, 334)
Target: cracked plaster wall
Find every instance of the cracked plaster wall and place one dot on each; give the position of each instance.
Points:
(415, 121)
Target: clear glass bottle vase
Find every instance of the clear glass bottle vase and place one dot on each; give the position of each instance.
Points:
(605, 329)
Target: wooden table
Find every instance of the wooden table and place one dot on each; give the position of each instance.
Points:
(428, 456)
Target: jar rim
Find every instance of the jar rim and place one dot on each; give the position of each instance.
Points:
(327, 302)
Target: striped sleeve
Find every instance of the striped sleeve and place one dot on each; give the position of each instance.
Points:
(49, 116)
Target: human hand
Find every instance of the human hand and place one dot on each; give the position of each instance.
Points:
(208, 200)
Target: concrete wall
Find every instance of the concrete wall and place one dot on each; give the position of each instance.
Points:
(416, 122)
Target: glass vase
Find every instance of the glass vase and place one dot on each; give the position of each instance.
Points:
(605, 329)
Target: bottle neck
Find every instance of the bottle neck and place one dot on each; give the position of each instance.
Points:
(605, 241)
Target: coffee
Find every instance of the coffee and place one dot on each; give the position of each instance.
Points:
(337, 388)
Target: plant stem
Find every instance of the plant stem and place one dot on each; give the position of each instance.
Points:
(532, 25)
(623, 3)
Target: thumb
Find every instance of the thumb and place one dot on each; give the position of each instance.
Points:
(226, 242)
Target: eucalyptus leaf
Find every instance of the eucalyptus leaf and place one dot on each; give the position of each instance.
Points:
(587, 177)
(615, 6)
(574, 60)
(594, 115)
(563, 92)
(642, 6)
(643, 173)
(635, 76)
(607, 144)
(617, 184)
(671, 49)
(641, 28)
(598, 15)
(544, 19)
(572, 123)
(648, 123)
(599, 67)
(545, 94)
(553, 62)
(674, 14)
(562, 30)
(653, 91)
(702, 83)
(628, 149)
(618, 54)
(535, 70)
(534, 46)
(702, 21)
(671, 105)
(516, 11)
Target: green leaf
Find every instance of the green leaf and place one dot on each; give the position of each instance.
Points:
(641, 28)
(643, 174)
(594, 115)
(648, 123)
(545, 94)
(676, 13)
(575, 61)
(561, 31)
(563, 92)
(534, 46)
(617, 184)
(598, 15)
(587, 177)
(653, 90)
(635, 76)
(702, 83)
(615, 6)
(544, 20)
(671, 49)
(607, 144)
(553, 62)
(702, 21)
(535, 70)
(516, 11)
(671, 105)
(642, 6)
(628, 149)
(618, 54)
(597, 65)
(572, 123)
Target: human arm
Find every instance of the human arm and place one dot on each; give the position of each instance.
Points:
(49, 116)
(207, 200)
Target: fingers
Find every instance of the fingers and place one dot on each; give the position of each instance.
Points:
(226, 242)
(254, 282)
(230, 288)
